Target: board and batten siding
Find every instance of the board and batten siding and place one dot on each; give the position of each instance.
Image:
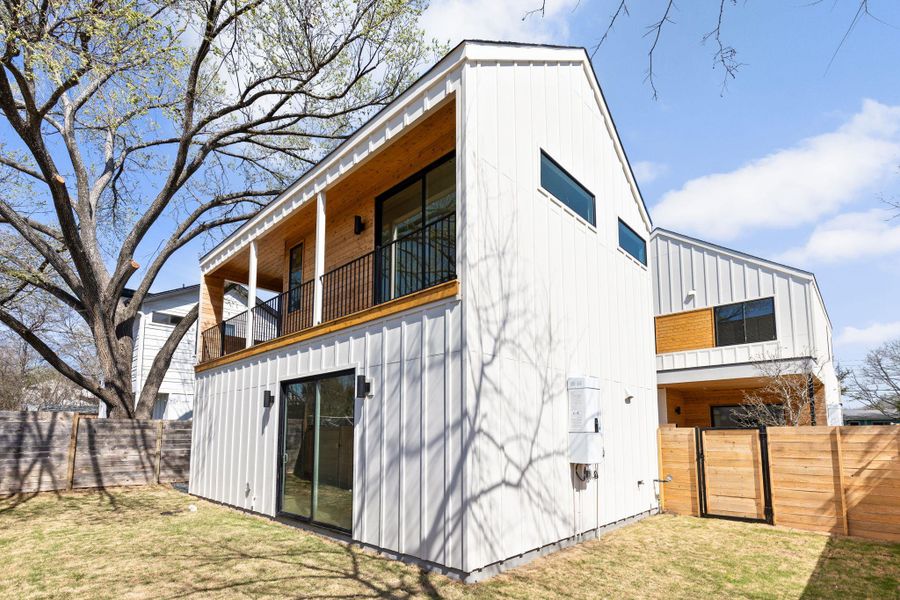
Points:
(546, 297)
(718, 278)
(407, 492)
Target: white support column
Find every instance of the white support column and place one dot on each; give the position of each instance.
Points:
(251, 293)
(320, 258)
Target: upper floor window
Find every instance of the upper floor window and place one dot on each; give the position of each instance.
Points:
(632, 243)
(295, 276)
(745, 322)
(416, 231)
(166, 318)
(567, 190)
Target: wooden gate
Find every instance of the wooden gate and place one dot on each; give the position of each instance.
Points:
(733, 465)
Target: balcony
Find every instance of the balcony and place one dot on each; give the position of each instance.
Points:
(369, 244)
(414, 262)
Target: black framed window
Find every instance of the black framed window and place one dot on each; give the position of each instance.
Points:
(734, 415)
(567, 189)
(295, 276)
(632, 243)
(415, 231)
(745, 322)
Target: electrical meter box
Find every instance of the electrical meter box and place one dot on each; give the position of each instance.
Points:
(585, 429)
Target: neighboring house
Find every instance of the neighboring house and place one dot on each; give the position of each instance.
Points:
(152, 326)
(719, 313)
(460, 371)
(868, 416)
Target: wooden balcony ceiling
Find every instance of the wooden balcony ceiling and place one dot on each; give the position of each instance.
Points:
(354, 194)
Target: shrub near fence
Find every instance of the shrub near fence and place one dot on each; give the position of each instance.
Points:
(42, 451)
(839, 480)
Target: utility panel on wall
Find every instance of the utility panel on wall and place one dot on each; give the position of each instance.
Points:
(585, 430)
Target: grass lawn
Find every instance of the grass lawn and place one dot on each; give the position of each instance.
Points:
(143, 543)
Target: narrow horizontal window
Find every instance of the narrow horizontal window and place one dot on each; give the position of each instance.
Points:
(632, 243)
(745, 322)
(566, 189)
(166, 318)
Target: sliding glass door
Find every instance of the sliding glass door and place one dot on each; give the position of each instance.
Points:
(317, 450)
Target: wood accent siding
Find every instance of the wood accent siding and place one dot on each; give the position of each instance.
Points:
(691, 330)
(212, 296)
(433, 294)
(355, 194)
(695, 405)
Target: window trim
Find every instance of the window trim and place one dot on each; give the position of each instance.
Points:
(543, 153)
(744, 321)
(638, 236)
(169, 317)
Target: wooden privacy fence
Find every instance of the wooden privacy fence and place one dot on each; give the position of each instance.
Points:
(839, 480)
(42, 451)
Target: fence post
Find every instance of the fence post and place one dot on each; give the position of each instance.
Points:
(662, 483)
(159, 436)
(840, 461)
(73, 444)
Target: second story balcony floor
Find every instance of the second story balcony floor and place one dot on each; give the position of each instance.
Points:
(382, 237)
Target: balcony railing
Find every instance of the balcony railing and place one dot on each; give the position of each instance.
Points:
(414, 262)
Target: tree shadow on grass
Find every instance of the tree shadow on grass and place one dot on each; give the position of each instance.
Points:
(855, 568)
(332, 571)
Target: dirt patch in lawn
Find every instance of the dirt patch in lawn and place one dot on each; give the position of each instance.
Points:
(143, 543)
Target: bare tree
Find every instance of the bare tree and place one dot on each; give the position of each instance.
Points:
(132, 127)
(876, 383)
(784, 398)
(26, 381)
(724, 54)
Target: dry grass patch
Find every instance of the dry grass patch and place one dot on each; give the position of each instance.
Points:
(142, 543)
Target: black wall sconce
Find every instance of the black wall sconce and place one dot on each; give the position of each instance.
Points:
(268, 399)
(363, 386)
(358, 225)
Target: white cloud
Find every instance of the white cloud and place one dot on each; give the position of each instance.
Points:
(872, 335)
(791, 186)
(647, 171)
(850, 236)
(456, 20)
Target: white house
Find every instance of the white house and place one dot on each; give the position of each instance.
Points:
(461, 368)
(152, 325)
(719, 313)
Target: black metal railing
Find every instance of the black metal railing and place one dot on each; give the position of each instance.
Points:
(414, 262)
(224, 338)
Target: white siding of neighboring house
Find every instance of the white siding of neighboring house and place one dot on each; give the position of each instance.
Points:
(722, 277)
(149, 338)
(548, 297)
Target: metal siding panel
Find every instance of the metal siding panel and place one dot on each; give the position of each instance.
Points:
(574, 305)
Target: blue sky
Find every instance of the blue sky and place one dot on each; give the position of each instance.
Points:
(789, 163)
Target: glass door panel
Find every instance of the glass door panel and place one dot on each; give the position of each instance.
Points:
(317, 450)
(401, 219)
(298, 452)
(333, 504)
(440, 232)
